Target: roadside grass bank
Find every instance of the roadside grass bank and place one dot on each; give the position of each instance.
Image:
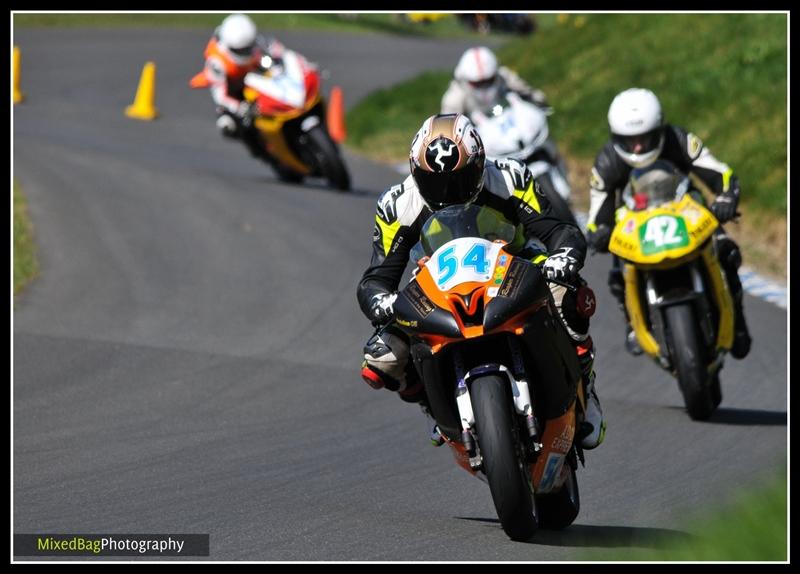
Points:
(365, 23)
(26, 266)
(731, 94)
(751, 527)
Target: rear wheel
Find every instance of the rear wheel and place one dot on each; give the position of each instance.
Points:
(559, 509)
(688, 356)
(327, 158)
(503, 466)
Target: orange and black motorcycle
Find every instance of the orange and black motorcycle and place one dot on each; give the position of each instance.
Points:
(499, 369)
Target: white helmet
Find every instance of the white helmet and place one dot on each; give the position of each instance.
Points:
(477, 71)
(637, 126)
(237, 37)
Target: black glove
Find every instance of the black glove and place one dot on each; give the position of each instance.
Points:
(599, 238)
(724, 207)
(561, 265)
(381, 310)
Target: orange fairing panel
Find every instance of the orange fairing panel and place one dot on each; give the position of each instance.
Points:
(556, 443)
(200, 80)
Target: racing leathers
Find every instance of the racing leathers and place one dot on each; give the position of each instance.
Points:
(508, 188)
(686, 151)
(459, 98)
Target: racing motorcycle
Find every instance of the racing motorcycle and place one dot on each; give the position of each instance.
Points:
(518, 129)
(676, 293)
(291, 120)
(500, 372)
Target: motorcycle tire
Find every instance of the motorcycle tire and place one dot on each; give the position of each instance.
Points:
(502, 464)
(328, 160)
(716, 390)
(688, 356)
(558, 204)
(288, 175)
(560, 509)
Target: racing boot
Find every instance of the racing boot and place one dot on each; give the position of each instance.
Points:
(435, 434)
(631, 342)
(593, 428)
(741, 334)
(385, 360)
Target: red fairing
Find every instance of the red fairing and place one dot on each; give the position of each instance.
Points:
(312, 85)
(270, 106)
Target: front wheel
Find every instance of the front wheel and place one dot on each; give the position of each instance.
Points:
(504, 468)
(327, 158)
(688, 356)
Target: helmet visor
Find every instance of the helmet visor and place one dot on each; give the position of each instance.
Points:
(640, 143)
(243, 52)
(482, 84)
(440, 189)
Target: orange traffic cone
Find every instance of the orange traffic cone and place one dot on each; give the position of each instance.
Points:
(18, 95)
(336, 115)
(144, 106)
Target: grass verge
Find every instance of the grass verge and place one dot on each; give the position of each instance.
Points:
(365, 23)
(731, 94)
(26, 266)
(752, 527)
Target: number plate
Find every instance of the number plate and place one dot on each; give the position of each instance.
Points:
(662, 233)
(462, 260)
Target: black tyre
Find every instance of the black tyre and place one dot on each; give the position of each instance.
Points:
(560, 509)
(559, 205)
(688, 356)
(327, 158)
(716, 390)
(507, 477)
(288, 175)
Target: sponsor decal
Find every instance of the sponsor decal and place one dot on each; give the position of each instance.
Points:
(422, 305)
(563, 442)
(596, 181)
(551, 471)
(514, 276)
(442, 155)
(693, 145)
(405, 323)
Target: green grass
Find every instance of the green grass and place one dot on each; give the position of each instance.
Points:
(26, 266)
(383, 124)
(722, 76)
(753, 527)
(368, 23)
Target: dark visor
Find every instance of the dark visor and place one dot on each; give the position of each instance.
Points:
(448, 188)
(645, 142)
(483, 83)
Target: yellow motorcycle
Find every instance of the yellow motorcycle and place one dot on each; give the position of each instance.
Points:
(676, 294)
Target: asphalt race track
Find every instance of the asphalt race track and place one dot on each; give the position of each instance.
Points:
(188, 360)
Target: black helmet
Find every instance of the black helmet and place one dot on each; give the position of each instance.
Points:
(447, 160)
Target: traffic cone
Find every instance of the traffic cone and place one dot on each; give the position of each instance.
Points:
(336, 115)
(18, 95)
(144, 106)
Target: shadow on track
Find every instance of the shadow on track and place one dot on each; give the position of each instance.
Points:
(745, 417)
(585, 535)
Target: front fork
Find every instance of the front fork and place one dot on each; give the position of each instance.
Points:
(521, 398)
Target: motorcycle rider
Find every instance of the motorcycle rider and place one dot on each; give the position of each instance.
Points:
(448, 166)
(639, 137)
(233, 51)
(478, 81)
